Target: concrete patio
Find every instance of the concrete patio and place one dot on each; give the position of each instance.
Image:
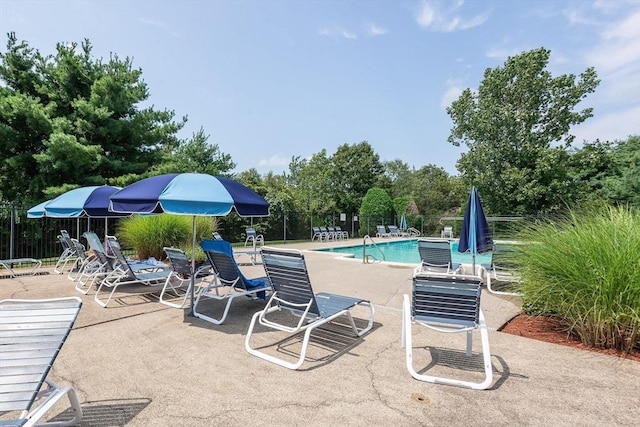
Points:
(140, 363)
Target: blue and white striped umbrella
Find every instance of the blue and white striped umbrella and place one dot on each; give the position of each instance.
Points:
(92, 202)
(189, 194)
(193, 194)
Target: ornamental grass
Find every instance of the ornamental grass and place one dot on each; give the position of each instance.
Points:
(585, 269)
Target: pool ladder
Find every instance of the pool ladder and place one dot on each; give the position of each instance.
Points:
(369, 258)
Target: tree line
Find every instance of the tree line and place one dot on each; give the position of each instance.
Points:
(69, 120)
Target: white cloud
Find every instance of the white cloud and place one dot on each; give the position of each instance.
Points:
(153, 23)
(609, 6)
(616, 58)
(503, 53)
(619, 45)
(426, 15)
(578, 17)
(443, 16)
(454, 89)
(159, 24)
(374, 30)
(617, 125)
(274, 162)
(338, 32)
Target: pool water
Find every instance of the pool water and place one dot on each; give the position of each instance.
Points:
(405, 251)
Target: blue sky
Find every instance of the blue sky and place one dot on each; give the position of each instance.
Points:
(268, 80)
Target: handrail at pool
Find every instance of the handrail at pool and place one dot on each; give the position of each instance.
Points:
(365, 259)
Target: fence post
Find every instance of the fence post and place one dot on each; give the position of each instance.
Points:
(13, 230)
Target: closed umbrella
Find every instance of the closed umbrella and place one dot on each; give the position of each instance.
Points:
(475, 236)
(403, 222)
(192, 194)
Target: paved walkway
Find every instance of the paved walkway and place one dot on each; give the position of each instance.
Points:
(140, 363)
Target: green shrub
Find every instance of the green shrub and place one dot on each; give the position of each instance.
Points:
(148, 235)
(586, 270)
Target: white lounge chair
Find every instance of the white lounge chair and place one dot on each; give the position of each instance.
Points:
(287, 273)
(435, 256)
(178, 283)
(32, 332)
(228, 283)
(68, 252)
(393, 231)
(382, 231)
(317, 234)
(500, 276)
(447, 233)
(446, 303)
(99, 267)
(253, 238)
(344, 234)
(10, 264)
(124, 274)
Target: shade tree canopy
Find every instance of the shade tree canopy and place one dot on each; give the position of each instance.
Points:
(516, 127)
(70, 120)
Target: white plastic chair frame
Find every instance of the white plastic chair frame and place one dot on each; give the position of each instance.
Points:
(227, 284)
(449, 304)
(125, 274)
(497, 272)
(32, 332)
(179, 277)
(68, 253)
(286, 270)
(435, 257)
(253, 238)
(9, 265)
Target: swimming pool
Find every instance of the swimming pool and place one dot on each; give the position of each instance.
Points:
(404, 251)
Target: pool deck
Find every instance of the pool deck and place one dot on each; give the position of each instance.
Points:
(141, 363)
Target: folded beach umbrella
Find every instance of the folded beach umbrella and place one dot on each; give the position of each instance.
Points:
(475, 236)
(193, 194)
(403, 222)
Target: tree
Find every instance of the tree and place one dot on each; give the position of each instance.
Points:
(68, 120)
(624, 185)
(197, 155)
(376, 207)
(516, 127)
(314, 186)
(356, 168)
(588, 168)
(435, 191)
(396, 177)
(400, 205)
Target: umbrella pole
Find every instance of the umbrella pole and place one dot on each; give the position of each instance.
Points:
(474, 264)
(193, 265)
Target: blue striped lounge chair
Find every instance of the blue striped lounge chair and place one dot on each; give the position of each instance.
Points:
(287, 273)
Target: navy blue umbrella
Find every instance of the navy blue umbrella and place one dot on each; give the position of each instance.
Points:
(475, 236)
(193, 194)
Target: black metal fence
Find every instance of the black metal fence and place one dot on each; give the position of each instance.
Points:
(22, 237)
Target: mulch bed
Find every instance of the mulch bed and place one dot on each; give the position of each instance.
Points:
(550, 329)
